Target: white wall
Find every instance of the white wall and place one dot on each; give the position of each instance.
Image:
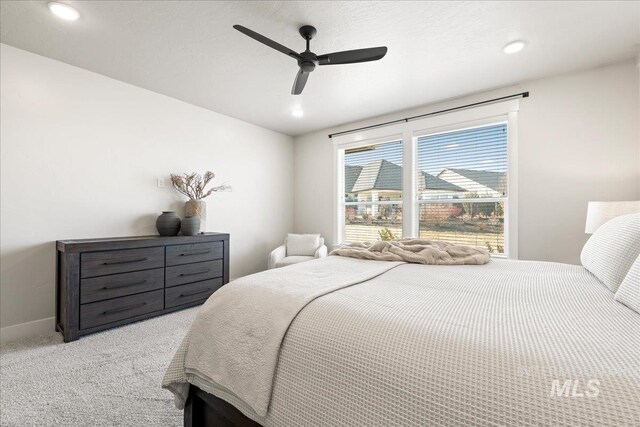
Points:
(578, 140)
(80, 156)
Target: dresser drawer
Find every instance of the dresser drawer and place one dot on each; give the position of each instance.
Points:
(188, 273)
(118, 285)
(112, 310)
(111, 262)
(185, 294)
(196, 252)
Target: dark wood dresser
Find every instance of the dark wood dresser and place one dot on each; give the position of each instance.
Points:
(103, 283)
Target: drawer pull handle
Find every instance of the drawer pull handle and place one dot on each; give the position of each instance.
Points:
(195, 273)
(194, 253)
(125, 261)
(129, 307)
(188, 294)
(142, 282)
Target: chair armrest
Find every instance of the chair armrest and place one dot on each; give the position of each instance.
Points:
(276, 255)
(321, 252)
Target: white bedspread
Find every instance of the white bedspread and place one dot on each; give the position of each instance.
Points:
(507, 343)
(235, 339)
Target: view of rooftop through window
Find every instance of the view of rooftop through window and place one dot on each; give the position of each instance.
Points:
(461, 188)
(453, 164)
(373, 192)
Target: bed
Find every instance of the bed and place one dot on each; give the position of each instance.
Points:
(506, 343)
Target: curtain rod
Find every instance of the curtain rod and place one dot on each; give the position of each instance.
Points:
(407, 119)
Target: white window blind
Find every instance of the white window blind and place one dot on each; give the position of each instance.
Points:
(462, 186)
(373, 192)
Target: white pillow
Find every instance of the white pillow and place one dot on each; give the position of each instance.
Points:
(302, 244)
(629, 291)
(612, 249)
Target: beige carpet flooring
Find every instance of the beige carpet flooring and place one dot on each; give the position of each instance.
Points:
(111, 378)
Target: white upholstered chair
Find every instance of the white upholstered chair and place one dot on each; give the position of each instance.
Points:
(298, 248)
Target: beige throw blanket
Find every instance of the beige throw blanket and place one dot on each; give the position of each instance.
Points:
(417, 251)
(235, 340)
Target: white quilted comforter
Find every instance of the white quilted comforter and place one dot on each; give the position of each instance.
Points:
(507, 343)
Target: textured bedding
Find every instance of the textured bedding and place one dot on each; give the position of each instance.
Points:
(507, 343)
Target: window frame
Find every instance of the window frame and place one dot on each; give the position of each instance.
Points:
(409, 132)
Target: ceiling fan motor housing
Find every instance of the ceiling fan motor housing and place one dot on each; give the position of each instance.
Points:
(308, 61)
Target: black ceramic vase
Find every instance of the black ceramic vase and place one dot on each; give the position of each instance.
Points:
(190, 226)
(168, 224)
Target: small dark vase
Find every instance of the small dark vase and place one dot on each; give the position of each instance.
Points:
(190, 226)
(168, 224)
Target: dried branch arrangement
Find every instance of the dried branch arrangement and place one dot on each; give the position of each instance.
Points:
(194, 185)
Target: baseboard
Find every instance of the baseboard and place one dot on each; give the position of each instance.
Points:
(37, 327)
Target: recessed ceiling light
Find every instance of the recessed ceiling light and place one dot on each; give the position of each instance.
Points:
(297, 112)
(63, 11)
(513, 47)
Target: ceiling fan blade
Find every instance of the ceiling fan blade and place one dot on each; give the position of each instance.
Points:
(262, 39)
(353, 56)
(298, 84)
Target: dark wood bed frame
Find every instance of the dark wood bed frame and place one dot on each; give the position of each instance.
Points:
(204, 409)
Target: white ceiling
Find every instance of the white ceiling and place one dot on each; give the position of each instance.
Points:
(437, 50)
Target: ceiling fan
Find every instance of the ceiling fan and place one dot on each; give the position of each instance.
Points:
(308, 60)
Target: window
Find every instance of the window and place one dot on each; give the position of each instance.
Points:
(449, 177)
(462, 186)
(373, 192)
